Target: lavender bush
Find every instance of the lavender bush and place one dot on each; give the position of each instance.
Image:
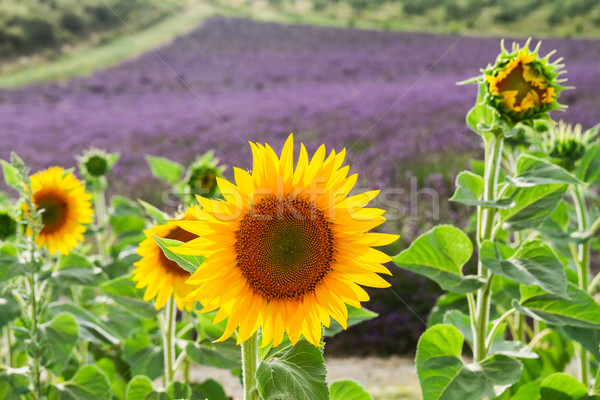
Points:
(389, 98)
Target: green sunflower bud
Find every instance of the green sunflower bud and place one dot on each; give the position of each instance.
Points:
(202, 175)
(522, 86)
(565, 144)
(96, 163)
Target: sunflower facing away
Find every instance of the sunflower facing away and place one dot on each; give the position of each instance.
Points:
(67, 209)
(523, 85)
(288, 248)
(160, 276)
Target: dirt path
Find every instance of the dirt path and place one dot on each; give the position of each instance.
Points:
(391, 378)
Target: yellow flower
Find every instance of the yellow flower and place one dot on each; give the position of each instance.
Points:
(66, 207)
(288, 248)
(522, 86)
(162, 277)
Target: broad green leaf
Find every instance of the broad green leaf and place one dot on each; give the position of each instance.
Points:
(117, 382)
(355, 316)
(76, 276)
(578, 310)
(179, 390)
(596, 388)
(59, 336)
(88, 383)
(532, 171)
(588, 169)
(11, 309)
(158, 395)
(462, 322)
(588, 338)
(444, 375)
(157, 215)
(74, 260)
(561, 386)
(10, 267)
(469, 189)
(482, 118)
(14, 382)
(188, 263)
(165, 169)
(297, 375)
(534, 263)
(447, 302)
(529, 391)
(143, 356)
(440, 254)
(91, 328)
(209, 389)
(123, 291)
(512, 349)
(138, 388)
(532, 205)
(11, 175)
(348, 390)
(214, 355)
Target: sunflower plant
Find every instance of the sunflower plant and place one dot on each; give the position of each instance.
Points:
(279, 262)
(523, 274)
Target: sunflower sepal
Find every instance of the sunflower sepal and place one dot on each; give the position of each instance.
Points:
(186, 262)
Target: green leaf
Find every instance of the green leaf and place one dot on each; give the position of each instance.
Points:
(532, 206)
(209, 389)
(469, 189)
(482, 118)
(179, 390)
(588, 169)
(214, 355)
(188, 263)
(76, 276)
(596, 387)
(355, 316)
(578, 310)
(512, 349)
(10, 267)
(529, 391)
(89, 383)
(440, 254)
(444, 375)
(298, 375)
(588, 338)
(138, 388)
(11, 175)
(14, 381)
(59, 337)
(90, 327)
(117, 382)
(534, 263)
(11, 309)
(165, 169)
(123, 291)
(157, 215)
(143, 356)
(348, 390)
(561, 386)
(532, 171)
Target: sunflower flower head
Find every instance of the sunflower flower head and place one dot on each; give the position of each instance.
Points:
(162, 277)
(287, 249)
(522, 86)
(565, 144)
(8, 225)
(94, 164)
(66, 209)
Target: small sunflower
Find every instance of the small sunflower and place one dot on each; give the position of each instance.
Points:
(160, 276)
(288, 248)
(67, 209)
(565, 144)
(522, 86)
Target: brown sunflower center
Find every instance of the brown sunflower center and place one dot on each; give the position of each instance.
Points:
(55, 213)
(285, 247)
(171, 266)
(515, 80)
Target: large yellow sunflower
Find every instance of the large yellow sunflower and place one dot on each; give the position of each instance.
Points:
(162, 277)
(287, 249)
(66, 207)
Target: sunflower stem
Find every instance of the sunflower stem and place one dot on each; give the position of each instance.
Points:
(493, 157)
(169, 342)
(249, 366)
(101, 222)
(582, 261)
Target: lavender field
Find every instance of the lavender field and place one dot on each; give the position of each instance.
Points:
(389, 98)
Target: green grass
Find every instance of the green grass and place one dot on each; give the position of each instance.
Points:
(109, 54)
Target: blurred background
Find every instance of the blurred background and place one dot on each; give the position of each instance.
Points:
(178, 78)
